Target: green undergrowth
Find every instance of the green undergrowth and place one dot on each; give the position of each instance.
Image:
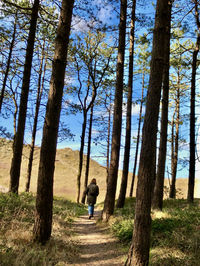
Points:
(175, 234)
(16, 225)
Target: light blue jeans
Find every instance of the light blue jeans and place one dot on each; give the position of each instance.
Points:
(91, 209)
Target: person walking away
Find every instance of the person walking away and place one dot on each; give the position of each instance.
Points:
(92, 191)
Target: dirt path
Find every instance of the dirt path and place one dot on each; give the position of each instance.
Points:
(96, 246)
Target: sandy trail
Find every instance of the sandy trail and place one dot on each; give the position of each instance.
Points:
(96, 245)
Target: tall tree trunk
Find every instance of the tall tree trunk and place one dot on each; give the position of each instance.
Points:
(44, 200)
(18, 141)
(160, 176)
(122, 194)
(8, 63)
(117, 118)
(138, 138)
(191, 180)
(108, 145)
(80, 166)
(172, 146)
(88, 156)
(15, 112)
(14, 121)
(139, 250)
(37, 107)
(172, 192)
(85, 111)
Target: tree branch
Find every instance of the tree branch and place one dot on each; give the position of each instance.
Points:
(17, 6)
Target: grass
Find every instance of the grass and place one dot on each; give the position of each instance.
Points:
(175, 234)
(16, 224)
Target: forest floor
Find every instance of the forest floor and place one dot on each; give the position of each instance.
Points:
(96, 245)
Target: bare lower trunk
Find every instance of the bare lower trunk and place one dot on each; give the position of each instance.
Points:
(138, 141)
(117, 118)
(172, 187)
(108, 146)
(160, 176)
(39, 95)
(18, 141)
(8, 63)
(172, 192)
(191, 180)
(80, 167)
(122, 194)
(44, 200)
(85, 111)
(139, 250)
(88, 156)
(158, 190)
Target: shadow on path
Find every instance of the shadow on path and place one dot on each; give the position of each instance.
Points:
(96, 246)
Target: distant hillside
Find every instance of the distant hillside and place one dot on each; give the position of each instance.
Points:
(66, 166)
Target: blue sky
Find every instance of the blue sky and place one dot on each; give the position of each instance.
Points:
(75, 122)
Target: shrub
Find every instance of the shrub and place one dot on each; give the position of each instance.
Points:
(123, 229)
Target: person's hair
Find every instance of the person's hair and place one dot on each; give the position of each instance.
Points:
(94, 181)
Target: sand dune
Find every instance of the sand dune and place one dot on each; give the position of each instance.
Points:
(66, 166)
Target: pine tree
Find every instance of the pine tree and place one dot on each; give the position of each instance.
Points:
(122, 194)
(41, 78)
(139, 250)
(160, 175)
(8, 62)
(18, 141)
(117, 118)
(44, 200)
(191, 180)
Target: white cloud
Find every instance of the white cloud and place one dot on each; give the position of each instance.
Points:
(105, 13)
(102, 113)
(79, 24)
(69, 80)
(136, 109)
(95, 132)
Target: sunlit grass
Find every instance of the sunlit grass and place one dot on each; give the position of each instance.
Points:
(175, 233)
(16, 225)
(167, 256)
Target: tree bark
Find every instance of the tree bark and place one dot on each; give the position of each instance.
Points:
(81, 155)
(160, 176)
(44, 200)
(92, 75)
(39, 95)
(8, 63)
(95, 84)
(108, 144)
(191, 180)
(139, 250)
(117, 118)
(18, 141)
(88, 156)
(175, 141)
(85, 111)
(138, 139)
(123, 188)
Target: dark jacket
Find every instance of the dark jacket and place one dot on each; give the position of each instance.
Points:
(92, 191)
